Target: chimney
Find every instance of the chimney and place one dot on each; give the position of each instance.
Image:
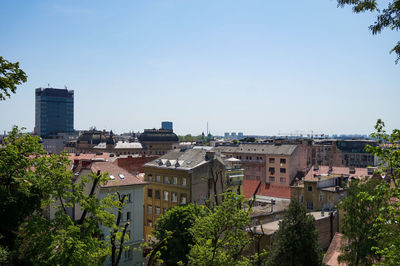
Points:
(272, 205)
(210, 155)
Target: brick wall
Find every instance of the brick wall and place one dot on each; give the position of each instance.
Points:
(134, 164)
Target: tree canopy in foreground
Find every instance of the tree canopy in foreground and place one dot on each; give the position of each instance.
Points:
(388, 17)
(296, 241)
(10, 76)
(31, 184)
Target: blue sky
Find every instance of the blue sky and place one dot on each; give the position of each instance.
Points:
(260, 67)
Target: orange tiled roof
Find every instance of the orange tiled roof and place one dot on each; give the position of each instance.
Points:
(269, 190)
(88, 156)
(116, 171)
(333, 252)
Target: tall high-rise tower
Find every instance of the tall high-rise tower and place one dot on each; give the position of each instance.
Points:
(166, 125)
(54, 111)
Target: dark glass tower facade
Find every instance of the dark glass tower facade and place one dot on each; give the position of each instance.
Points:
(54, 111)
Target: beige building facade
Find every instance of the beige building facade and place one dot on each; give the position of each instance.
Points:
(277, 164)
(183, 176)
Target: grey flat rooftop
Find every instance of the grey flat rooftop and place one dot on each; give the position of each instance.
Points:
(180, 160)
(269, 149)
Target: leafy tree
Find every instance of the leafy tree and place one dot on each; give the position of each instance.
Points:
(360, 207)
(10, 76)
(172, 232)
(386, 18)
(189, 138)
(388, 219)
(117, 236)
(296, 241)
(63, 240)
(30, 182)
(24, 176)
(371, 225)
(220, 235)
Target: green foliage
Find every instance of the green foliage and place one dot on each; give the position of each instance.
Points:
(360, 207)
(371, 224)
(62, 240)
(22, 187)
(31, 183)
(10, 76)
(296, 241)
(172, 229)
(386, 18)
(189, 138)
(248, 139)
(388, 219)
(220, 235)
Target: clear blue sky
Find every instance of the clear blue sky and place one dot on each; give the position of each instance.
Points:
(260, 67)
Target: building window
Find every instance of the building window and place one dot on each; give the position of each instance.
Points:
(184, 181)
(183, 198)
(158, 210)
(166, 180)
(166, 196)
(282, 180)
(321, 197)
(149, 209)
(150, 223)
(128, 198)
(301, 198)
(150, 193)
(157, 194)
(165, 210)
(128, 254)
(271, 170)
(271, 160)
(174, 197)
(309, 188)
(271, 179)
(310, 205)
(150, 178)
(175, 180)
(158, 179)
(128, 216)
(283, 170)
(282, 160)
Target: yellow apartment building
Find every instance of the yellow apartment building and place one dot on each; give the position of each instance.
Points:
(182, 176)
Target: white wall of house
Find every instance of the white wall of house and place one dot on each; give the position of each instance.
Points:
(134, 210)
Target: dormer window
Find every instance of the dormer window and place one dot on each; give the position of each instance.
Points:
(112, 177)
(121, 176)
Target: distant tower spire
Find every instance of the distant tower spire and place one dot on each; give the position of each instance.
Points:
(207, 127)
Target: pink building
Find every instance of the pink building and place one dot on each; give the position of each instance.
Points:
(277, 164)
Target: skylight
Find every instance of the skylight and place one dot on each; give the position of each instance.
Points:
(112, 177)
(121, 176)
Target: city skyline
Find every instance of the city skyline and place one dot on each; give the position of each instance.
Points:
(257, 68)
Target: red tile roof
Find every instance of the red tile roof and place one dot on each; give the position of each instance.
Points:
(116, 171)
(88, 156)
(269, 190)
(249, 187)
(333, 252)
